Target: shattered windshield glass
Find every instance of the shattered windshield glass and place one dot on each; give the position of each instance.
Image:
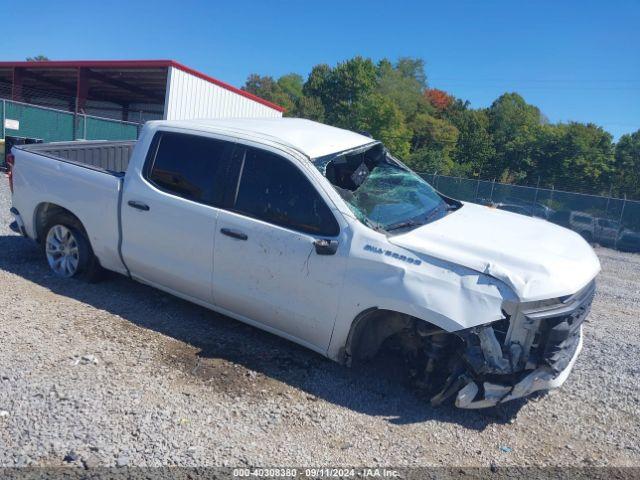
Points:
(380, 191)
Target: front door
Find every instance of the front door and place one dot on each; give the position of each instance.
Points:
(266, 265)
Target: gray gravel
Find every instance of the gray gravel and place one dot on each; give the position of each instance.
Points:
(121, 374)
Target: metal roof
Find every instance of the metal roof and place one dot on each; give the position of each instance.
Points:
(142, 81)
(310, 138)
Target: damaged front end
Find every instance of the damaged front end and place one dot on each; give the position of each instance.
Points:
(533, 348)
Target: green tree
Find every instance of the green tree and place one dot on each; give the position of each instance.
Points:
(286, 91)
(627, 165)
(318, 83)
(433, 142)
(291, 84)
(380, 117)
(413, 68)
(263, 86)
(513, 124)
(37, 58)
(583, 156)
(350, 84)
(311, 108)
(431, 130)
(547, 154)
(403, 83)
(430, 160)
(474, 151)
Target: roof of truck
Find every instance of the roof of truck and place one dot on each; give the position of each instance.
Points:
(312, 139)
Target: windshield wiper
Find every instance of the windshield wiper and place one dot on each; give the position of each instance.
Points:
(404, 224)
(413, 223)
(438, 209)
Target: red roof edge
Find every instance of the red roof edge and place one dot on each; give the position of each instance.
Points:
(140, 64)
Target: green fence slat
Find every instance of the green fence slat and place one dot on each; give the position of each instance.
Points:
(58, 126)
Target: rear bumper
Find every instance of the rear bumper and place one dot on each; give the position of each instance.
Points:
(18, 224)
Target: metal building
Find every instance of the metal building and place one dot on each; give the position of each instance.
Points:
(128, 90)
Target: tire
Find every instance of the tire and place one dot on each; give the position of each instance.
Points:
(67, 249)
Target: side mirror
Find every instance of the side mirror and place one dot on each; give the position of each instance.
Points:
(326, 247)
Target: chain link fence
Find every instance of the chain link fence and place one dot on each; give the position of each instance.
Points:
(26, 122)
(605, 220)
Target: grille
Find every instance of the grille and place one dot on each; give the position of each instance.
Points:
(558, 337)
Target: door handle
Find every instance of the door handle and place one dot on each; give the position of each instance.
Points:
(233, 234)
(138, 205)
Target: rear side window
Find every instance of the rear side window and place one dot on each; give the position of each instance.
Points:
(190, 166)
(272, 189)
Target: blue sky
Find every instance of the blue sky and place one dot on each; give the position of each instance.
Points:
(576, 60)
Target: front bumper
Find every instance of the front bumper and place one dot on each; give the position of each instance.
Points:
(542, 378)
(536, 352)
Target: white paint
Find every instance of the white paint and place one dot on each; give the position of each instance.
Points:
(537, 259)
(472, 262)
(189, 97)
(11, 124)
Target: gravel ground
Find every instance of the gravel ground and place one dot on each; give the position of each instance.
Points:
(118, 373)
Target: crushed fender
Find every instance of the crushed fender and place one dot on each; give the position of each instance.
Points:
(533, 348)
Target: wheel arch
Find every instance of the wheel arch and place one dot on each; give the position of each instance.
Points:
(44, 211)
(371, 327)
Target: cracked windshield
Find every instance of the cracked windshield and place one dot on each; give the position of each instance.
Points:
(380, 191)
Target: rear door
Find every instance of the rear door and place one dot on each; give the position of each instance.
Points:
(267, 266)
(169, 212)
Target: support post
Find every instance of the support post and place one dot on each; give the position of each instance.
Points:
(16, 86)
(535, 196)
(82, 89)
(624, 203)
(125, 112)
(74, 131)
(606, 209)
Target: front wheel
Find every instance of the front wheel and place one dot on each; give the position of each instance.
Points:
(68, 250)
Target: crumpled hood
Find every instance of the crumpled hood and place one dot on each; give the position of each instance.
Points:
(537, 259)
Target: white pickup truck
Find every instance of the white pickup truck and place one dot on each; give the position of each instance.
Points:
(321, 236)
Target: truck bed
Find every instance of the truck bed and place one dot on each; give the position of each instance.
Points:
(110, 156)
(84, 178)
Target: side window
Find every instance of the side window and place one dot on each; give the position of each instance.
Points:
(274, 190)
(189, 166)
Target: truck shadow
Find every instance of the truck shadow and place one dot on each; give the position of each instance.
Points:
(243, 360)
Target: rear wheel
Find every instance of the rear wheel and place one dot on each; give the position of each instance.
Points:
(67, 249)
